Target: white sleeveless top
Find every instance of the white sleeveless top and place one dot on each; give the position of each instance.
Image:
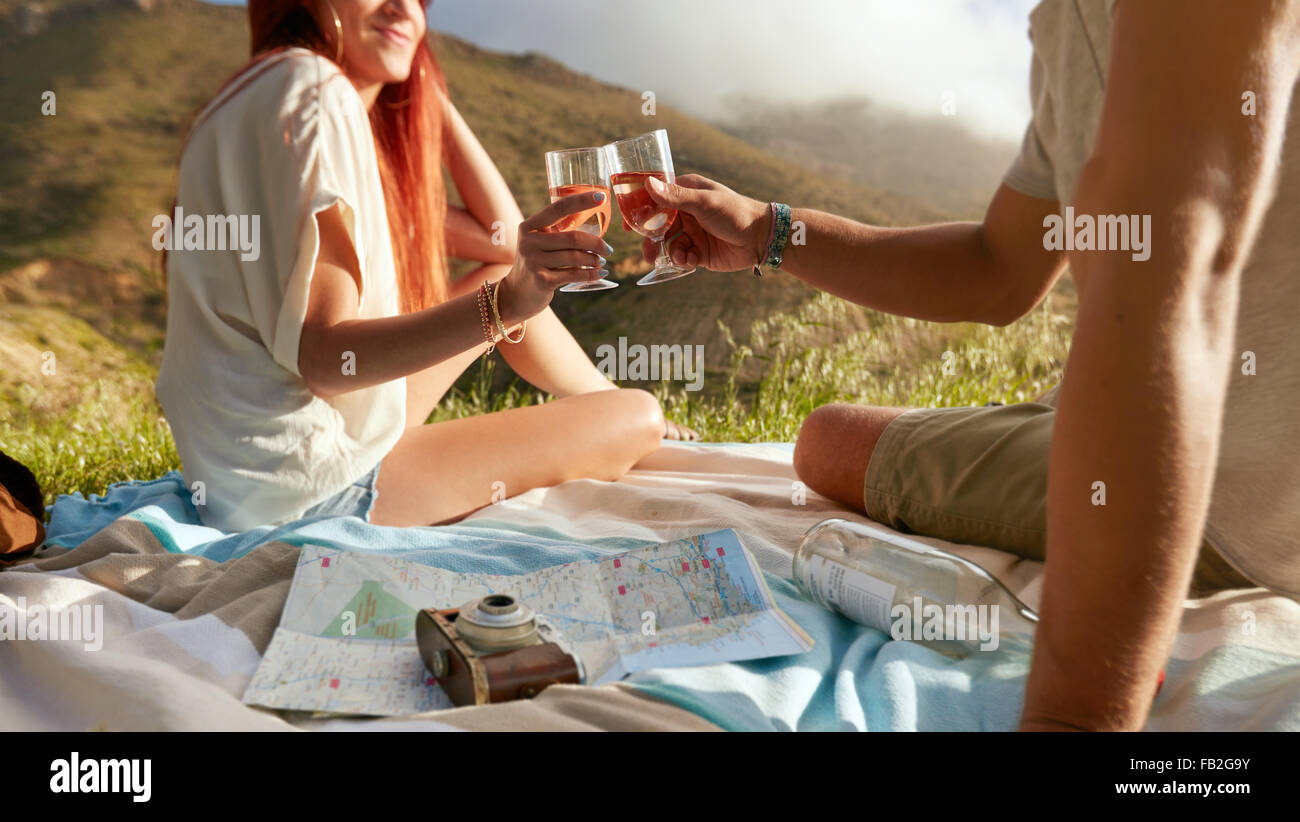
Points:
(284, 141)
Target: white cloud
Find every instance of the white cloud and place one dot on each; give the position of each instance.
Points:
(695, 53)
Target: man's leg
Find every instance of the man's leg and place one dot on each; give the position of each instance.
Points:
(834, 447)
(968, 475)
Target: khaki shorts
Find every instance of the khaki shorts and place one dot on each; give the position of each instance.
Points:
(979, 476)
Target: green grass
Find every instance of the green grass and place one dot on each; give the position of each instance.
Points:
(113, 436)
(116, 431)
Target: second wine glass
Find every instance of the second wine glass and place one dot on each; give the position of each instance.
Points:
(579, 171)
(631, 163)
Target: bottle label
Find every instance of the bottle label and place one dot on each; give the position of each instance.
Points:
(858, 596)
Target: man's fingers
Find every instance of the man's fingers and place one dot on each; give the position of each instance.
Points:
(679, 249)
(691, 240)
(696, 181)
(687, 248)
(676, 195)
(562, 208)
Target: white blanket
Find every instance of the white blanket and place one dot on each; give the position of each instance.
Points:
(183, 634)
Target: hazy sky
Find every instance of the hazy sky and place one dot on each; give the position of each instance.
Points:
(694, 53)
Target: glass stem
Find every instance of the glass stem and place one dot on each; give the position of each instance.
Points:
(664, 261)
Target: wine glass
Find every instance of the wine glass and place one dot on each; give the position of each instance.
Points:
(631, 163)
(580, 171)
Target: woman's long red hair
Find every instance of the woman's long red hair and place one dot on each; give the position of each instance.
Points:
(407, 123)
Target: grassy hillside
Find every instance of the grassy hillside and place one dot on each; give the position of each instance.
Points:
(523, 106)
(932, 159)
(81, 311)
(85, 183)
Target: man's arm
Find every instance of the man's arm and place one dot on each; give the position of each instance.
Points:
(992, 272)
(1141, 405)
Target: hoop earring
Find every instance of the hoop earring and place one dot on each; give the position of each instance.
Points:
(407, 101)
(338, 34)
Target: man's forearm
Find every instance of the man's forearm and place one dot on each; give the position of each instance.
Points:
(933, 272)
(948, 272)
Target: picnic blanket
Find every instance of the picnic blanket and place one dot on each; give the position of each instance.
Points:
(188, 612)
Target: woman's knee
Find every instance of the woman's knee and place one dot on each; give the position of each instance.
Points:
(632, 427)
(644, 422)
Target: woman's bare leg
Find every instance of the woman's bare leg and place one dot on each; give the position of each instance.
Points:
(834, 447)
(441, 472)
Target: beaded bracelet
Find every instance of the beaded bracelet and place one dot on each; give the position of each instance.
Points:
(777, 237)
(483, 315)
(496, 315)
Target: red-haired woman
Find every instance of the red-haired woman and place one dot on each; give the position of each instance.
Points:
(297, 378)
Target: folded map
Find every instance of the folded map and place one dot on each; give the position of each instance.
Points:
(346, 640)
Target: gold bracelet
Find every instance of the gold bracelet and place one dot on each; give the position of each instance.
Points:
(496, 315)
(483, 315)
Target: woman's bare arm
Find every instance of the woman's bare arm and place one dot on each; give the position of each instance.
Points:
(339, 352)
(549, 357)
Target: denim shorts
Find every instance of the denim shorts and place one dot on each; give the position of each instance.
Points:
(357, 500)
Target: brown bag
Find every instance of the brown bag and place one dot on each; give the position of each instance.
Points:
(22, 511)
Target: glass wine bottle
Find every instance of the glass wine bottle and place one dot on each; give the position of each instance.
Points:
(910, 590)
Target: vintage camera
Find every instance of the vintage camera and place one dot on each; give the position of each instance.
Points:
(494, 649)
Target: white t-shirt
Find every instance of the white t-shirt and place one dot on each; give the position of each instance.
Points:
(1254, 517)
(287, 139)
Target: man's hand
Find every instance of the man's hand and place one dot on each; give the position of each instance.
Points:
(1141, 405)
(720, 229)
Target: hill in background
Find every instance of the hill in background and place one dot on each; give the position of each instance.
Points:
(933, 160)
(78, 190)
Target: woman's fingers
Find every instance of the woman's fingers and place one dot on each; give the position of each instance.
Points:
(564, 240)
(556, 277)
(568, 258)
(561, 208)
